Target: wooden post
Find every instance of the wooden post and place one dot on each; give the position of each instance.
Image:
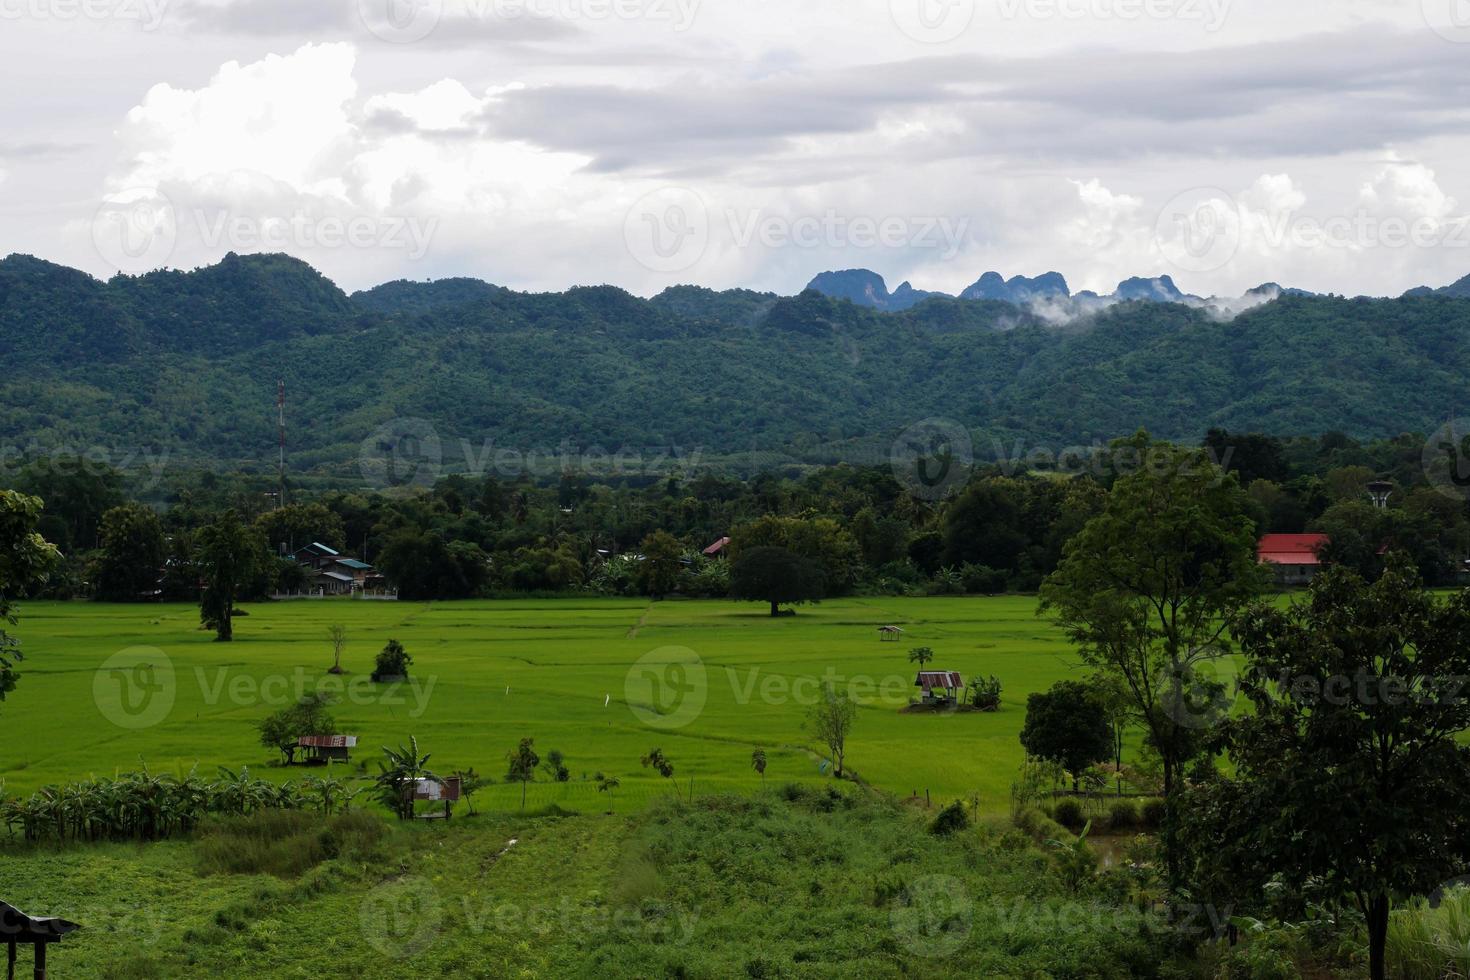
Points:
(10, 961)
(40, 961)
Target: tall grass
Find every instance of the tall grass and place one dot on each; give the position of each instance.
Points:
(285, 843)
(1426, 943)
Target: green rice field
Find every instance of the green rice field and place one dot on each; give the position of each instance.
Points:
(110, 687)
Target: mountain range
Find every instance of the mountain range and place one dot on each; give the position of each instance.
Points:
(1047, 295)
(187, 363)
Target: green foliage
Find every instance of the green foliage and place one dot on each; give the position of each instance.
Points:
(1069, 814)
(1148, 588)
(308, 716)
(921, 656)
(399, 771)
(950, 820)
(658, 573)
(1123, 815)
(1068, 724)
(392, 663)
(777, 576)
(1431, 940)
(229, 556)
(1075, 859)
(26, 559)
(140, 806)
(1349, 764)
(133, 549)
(985, 693)
(285, 843)
(830, 721)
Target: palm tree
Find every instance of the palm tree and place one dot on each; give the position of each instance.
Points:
(921, 656)
(758, 763)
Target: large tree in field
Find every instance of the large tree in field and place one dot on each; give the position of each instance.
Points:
(1068, 725)
(26, 559)
(1146, 590)
(133, 552)
(1348, 772)
(229, 556)
(777, 576)
(658, 574)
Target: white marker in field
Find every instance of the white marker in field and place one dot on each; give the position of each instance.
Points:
(607, 700)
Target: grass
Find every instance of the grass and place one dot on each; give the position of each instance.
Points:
(486, 674)
(795, 882)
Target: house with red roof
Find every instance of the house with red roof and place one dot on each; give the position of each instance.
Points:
(1295, 558)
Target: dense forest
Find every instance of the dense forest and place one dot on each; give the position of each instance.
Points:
(185, 365)
(856, 529)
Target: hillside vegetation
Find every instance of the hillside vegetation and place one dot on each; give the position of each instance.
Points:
(188, 362)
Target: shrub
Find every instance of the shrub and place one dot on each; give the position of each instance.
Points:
(284, 843)
(1068, 813)
(1036, 824)
(985, 694)
(1430, 942)
(1153, 814)
(392, 664)
(951, 819)
(1123, 815)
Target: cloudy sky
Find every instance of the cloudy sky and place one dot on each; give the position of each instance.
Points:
(545, 143)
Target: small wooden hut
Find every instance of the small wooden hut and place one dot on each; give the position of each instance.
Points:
(319, 750)
(35, 931)
(934, 681)
(890, 633)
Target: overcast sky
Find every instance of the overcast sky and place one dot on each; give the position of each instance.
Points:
(546, 143)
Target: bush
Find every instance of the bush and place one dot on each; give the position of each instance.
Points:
(985, 694)
(284, 843)
(1123, 815)
(1153, 814)
(392, 663)
(1069, 814)
(983, 580)
(950, 820)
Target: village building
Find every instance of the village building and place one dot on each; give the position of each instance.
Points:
(1295, 558)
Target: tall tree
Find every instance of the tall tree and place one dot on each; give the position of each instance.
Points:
(521, 765)
(1349, 770)
(830, 721)
(26, 559)
(1068, 724)
(133, 549)
(658, 573)
(1146, 590)
(229, 555)
(777, 576)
